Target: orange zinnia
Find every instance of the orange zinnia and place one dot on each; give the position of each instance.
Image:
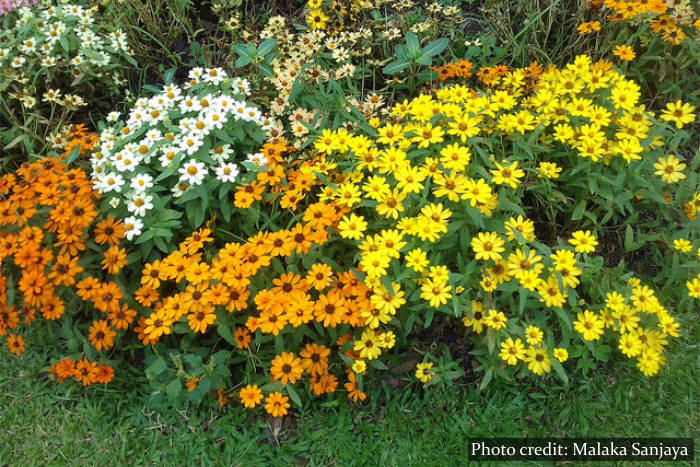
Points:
(276, 404)
(286, 368)
(101, 335)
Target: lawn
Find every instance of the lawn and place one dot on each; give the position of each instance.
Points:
(47, 424)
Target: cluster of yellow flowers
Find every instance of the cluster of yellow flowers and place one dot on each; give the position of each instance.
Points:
(423, 178)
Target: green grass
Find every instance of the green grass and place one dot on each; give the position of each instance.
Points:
(43, 423)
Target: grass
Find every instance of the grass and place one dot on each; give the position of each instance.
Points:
(43, 423)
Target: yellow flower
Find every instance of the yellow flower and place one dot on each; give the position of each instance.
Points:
(507, 175)
(423, 372)
(533, 335)
(538, 361)
(589, 325)
(678, 113)
(669, 169)
(496, 320)
(561, 354)
(512, 351)
(360, 366)
(352, 227)
(583, 241)
(417, 260)
(488, 245)
(435, 293)
(682, 245)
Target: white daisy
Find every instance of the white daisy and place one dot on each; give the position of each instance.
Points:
(227, 172)
(193, 172)
(134, 226)
(139, 204)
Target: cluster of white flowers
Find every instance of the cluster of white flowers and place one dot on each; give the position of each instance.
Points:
(50, 26)
(174, 141)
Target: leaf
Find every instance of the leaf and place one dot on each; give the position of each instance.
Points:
(395, 67)
(578, 210)
(435, 47)
(168, 76)
(293, 395)
(173, 389)
(225, 332)
(413, 45)
(560, 371)
(242, 51)
(266, 47)
(629, 238)
(156, 368)
(487, 378)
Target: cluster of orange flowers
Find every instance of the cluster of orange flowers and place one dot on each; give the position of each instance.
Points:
(293, 179)
(83, 370)
(46, 212)
(662, 18)
(490, 76)
(79, 136)
(460, 69)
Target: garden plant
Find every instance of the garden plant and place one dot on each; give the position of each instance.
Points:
(274, 211)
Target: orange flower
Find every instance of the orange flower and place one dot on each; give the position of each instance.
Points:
(33, 285)
(242, 337)
(152, 274)
(319, 276)
(201, 319)
(16, 343)
(64, 270)
(624, 52)
(146, 296)
(107, 297)
(329, 309)
(109, 231)
(286, 368)
(86, 372)
(101, 335)
(114, 259)
(276, 404)
(104, 374)
(314, 358)
(64, 369)
(353, 389)
(122, 319)
(250, 396)
(53, 308)
(323, 383)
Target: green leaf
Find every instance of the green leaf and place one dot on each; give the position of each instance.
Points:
(413, 45)
(173, 389)
(293, 395)
(396, 67)
(266, 47)
(629, 238)
(435, 47)
(156, 368)
(560, 371)
(578, 210)
(225, 332)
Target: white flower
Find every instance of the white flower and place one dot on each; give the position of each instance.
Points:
(139, 204)
(227, 172)
(109, 182)
(113, 116)
(214, 75)
(134, 226)
(190, 143)
(141, 183)
(114, 202)
(221, 153)
(258, 159)
(193, 172)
